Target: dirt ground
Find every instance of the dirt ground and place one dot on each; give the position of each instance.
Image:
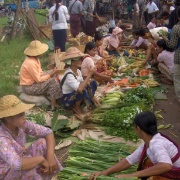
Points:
(171, 113)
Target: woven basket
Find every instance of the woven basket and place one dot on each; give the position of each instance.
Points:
(46, 29)
(81, 48)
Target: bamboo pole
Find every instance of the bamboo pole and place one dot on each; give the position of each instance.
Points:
(15, 19)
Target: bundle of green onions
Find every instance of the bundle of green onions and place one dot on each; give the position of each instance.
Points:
(90, 155)
(111, 99)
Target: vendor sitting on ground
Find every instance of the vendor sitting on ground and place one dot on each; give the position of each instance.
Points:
(152, 36)
(158, 156)
(38, 161)
(166, 61)
(76, 90)
(33, 80)
(105, 43)
(98, 39)
(102, 75)
(138, 42)
(114, 42)
(152, 23)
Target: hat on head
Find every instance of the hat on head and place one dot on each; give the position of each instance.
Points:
(10, 105)
(116, 31)
(72, 53)
(36, 48)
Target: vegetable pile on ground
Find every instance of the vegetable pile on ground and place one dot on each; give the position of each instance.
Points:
(90, 156)
(117, 120)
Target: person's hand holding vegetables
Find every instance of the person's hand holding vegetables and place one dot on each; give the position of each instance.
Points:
(94, 175)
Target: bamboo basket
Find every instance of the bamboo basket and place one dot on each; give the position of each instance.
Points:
(81, 48)
(85, 39)
(46, 29)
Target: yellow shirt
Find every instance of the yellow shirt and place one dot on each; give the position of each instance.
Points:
(31, 72)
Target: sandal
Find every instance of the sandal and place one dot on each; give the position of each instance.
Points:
(63, 144)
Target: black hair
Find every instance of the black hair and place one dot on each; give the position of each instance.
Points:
(162, 44)
(143, 31)
(147, 122)
(123, 27)
(164, 13)
(111, 30)
(89, 46)
(98, 36)
(56, 9)
(135, 32)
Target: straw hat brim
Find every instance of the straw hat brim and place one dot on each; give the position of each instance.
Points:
(72, 56)
(35, 52)
(17, 109)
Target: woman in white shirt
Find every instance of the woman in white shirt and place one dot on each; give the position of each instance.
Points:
(158, 156)
(58, 16)
(74, 88)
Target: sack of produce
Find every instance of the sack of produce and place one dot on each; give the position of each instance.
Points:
(157, 32)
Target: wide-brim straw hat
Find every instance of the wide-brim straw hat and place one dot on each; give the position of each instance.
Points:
(10, 105)
(72, 53)
(36, 48)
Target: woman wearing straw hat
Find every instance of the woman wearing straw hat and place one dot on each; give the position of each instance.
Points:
(74, 88)
(17, 162)
(33, 80)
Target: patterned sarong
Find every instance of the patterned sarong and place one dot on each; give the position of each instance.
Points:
(69, 100)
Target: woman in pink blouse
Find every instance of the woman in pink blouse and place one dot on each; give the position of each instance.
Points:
(16, 161)
(166, 62)
(33, 80)
(158, 157)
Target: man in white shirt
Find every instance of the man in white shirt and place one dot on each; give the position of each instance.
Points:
(152, 9)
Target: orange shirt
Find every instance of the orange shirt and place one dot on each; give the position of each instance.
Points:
(31, 72)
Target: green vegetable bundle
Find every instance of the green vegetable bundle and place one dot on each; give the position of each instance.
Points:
(90, 155)
(163, 33)
(118, 122)
(139, 95)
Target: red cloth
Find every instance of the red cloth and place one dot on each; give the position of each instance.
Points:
(75, 24)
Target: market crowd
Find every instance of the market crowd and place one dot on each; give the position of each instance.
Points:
(83, 73)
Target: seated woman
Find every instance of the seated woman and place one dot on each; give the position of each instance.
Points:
(105, 43)
(76, 90)
(158, 156)
(102, 75)
(33, 80)
(166, 61)
(98, 39)
(38, 161)
(114, 41)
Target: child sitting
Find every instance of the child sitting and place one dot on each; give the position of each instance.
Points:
(152, 24)
(138, 42)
